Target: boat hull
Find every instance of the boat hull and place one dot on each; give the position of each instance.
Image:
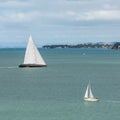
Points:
(32, 65)
(91, 99)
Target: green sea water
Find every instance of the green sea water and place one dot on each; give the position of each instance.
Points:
(56, 92)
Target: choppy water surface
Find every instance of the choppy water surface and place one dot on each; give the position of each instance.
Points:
(56, 92)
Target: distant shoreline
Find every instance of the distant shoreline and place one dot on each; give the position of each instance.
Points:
(85, 45)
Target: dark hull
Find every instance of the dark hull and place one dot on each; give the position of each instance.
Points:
(32, 65)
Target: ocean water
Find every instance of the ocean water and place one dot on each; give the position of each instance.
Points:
(56, 92)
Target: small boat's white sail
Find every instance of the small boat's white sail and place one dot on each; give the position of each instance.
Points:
(89, 95)
(86, 93)
(32, 56)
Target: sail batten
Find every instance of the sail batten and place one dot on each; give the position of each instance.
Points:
(32, 55)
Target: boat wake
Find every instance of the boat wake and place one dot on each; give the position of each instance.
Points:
(113, 101)
(9, 67)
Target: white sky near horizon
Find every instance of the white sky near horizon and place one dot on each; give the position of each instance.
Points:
(58, 21)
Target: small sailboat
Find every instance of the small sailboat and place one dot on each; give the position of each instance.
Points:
(89, 95)
(32, 56)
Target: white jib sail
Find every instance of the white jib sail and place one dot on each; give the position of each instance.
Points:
(86, 93)
(32, 55)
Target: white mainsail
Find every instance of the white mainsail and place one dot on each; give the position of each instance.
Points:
(90, 93)
(32, 55)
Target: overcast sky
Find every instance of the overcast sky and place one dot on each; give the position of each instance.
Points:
(58, 21)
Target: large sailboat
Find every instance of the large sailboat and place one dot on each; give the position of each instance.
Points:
(89, 95)
(32, 56)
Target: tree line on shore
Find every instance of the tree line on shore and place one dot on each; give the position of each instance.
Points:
(115, 45)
